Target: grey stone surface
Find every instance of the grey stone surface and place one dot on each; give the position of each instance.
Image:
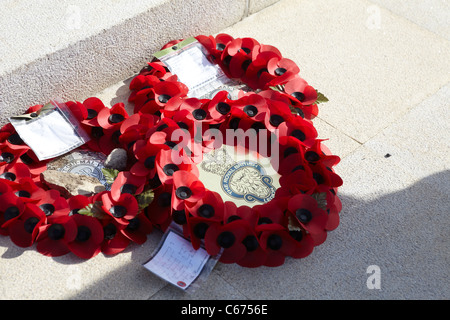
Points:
(433, 15)
(44, 55)
(218, 289)
(419, 141)
(382, 224)
(389, 93)
(257, 5)
(26, 274)
(372, 72)
(70, 184)
(117, 159)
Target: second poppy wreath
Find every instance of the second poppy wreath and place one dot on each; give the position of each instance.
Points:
(238, 166)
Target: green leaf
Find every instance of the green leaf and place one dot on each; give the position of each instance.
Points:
(145, 198)
(110, 174)
(87, 211)
(321, 98)
(93, 210)
(278, 88)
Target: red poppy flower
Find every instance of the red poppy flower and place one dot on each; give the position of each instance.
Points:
(78, 109)
(233, 212)
(127, 183)
(78, 202)
(257, 75)
(215, 45)
(220, 106)
(334, 205)
(11, 208)
(168, 162)
(35, 166)
(158, 211)
(166, 134)
(319, 153)
(209, 207)
(143, 81)
(299, 129)
(282, 70)
(139, 122)
(123, 209)
(145, 154)
(135, 128)
(277, 243)
(245, 45)
(278, 112)
(254, 106)
(14, 172)
(238, 64)
(52, 204)
(298, 181)
(299, 90)
(23, 231)
(266, 51)
(114, 241)
(325, 177)
(14, 142)
(198, 110)
(8, 156)
(89, 236)
(305, 210)
(156, 68)
(195, 229)
(53, 238)
(5, 187)
(237, 56)
(229, 237)
(187, 189)
(27, 189)
(270, 212)
(96, 133)
(93, 106)
(109, 118)
(111, 140)
(255, 255)
(137, 229)
(144, 97)
(304, 244)
(166, 90)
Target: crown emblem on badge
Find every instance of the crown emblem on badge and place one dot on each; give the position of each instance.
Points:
(240, 179)
(218, 161)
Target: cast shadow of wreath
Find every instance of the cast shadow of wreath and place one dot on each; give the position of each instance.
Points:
(12, 251)
(387, 216)
(122, 94)
(394, 221)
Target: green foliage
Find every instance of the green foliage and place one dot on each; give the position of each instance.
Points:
(110, 174)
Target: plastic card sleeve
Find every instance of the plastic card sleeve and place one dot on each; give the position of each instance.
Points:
(178, 263)
(50, 132)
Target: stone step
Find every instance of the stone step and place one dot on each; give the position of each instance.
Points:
(73, 49)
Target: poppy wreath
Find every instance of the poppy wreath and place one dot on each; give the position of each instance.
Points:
(154, 191)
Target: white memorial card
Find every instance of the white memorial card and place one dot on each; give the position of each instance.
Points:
(50, 133)
(177, 261)
(191, 65)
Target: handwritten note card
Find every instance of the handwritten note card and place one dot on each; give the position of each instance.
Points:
(193, 68)
(177, 262)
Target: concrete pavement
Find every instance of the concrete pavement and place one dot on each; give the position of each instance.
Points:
(385, 68)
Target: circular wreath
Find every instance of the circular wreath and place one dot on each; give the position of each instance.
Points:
(153, 191)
